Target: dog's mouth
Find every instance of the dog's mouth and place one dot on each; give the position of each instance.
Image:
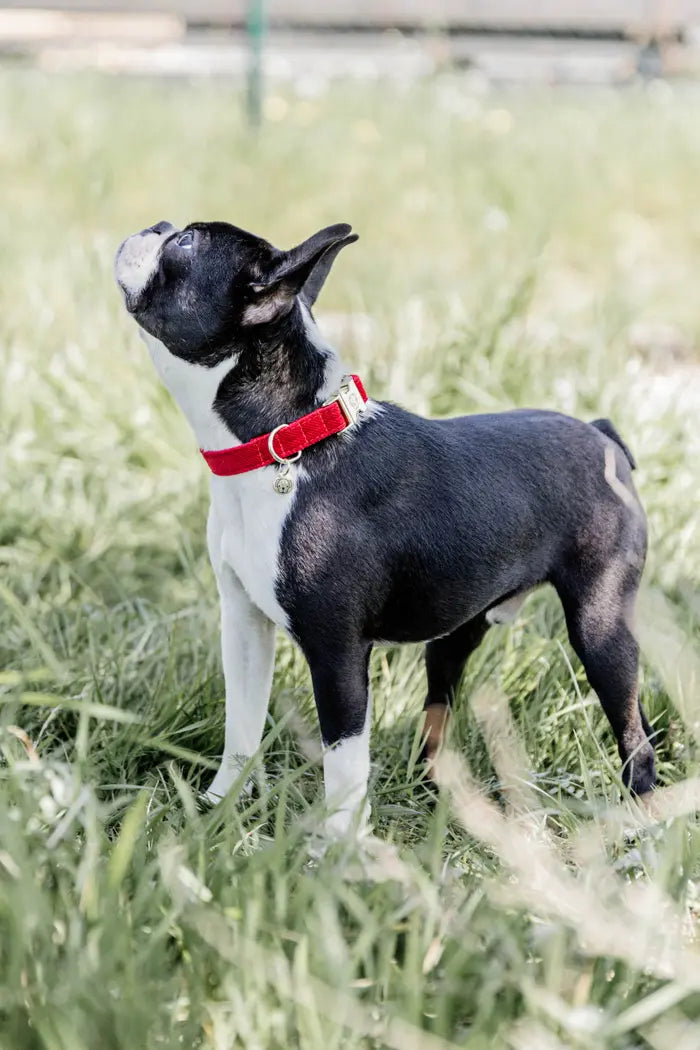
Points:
(136, 263)
(134, 302)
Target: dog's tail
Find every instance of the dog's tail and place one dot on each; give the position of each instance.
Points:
(606, 427)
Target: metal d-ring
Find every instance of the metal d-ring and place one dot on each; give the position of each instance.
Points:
(282, 484)
(283, 462)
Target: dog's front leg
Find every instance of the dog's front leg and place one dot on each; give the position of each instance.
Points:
(341, 690)
(248, 651)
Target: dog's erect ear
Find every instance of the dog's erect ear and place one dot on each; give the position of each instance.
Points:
(301, 271)
(322, 267)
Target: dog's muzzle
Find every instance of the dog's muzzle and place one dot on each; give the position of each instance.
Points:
(136, 261)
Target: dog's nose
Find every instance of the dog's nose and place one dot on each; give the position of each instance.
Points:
(160, 227)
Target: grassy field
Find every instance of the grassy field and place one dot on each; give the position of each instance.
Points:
(515, 250)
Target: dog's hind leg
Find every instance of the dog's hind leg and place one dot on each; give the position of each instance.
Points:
(445, 659)
(598, 614)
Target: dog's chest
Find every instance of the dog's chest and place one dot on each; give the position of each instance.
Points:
(251, 517)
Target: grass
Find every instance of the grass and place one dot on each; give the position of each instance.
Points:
(533, 249)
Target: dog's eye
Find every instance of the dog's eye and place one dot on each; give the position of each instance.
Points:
(185, 240)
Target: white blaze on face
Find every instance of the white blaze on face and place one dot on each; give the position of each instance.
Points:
(136, 262)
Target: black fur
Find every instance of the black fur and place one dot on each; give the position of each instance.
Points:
(409, 529)
(275, 379)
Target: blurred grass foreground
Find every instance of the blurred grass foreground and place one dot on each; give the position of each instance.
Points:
(530, 249)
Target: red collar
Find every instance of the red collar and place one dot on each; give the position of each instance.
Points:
(287, 442)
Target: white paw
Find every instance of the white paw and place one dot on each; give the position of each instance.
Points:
(227, 776)
(345, 825)
(217, 790)
(339, 825)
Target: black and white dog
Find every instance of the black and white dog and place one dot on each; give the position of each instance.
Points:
(365, 523)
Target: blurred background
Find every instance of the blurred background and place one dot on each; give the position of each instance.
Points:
(524, 180)
(554, 41)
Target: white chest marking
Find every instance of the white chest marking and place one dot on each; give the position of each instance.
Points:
(252, 516)
(248, 515)
(194, 388)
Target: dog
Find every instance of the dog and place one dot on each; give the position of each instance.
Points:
(347, 521)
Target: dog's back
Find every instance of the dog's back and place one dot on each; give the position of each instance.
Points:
(448, 517)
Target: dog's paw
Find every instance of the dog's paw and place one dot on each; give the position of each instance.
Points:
(343, 826)
(216, 791)
(227, 777)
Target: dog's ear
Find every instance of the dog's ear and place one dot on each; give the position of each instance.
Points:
(301, 271)
(322, 267)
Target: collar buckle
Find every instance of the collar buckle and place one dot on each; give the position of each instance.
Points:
(349, 399)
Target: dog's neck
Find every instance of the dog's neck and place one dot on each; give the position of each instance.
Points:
(280, 375)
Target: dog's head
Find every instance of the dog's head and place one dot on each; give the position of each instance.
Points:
(204, 290)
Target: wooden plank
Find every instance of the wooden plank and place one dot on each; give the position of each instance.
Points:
(611, 16)
(26, 27)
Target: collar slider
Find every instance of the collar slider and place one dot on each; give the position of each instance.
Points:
(349, 399)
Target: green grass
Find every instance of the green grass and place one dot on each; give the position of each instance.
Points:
(516, 250)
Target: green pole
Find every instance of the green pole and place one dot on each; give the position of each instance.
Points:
(256, 33)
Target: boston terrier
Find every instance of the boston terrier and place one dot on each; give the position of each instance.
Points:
(347, 521)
